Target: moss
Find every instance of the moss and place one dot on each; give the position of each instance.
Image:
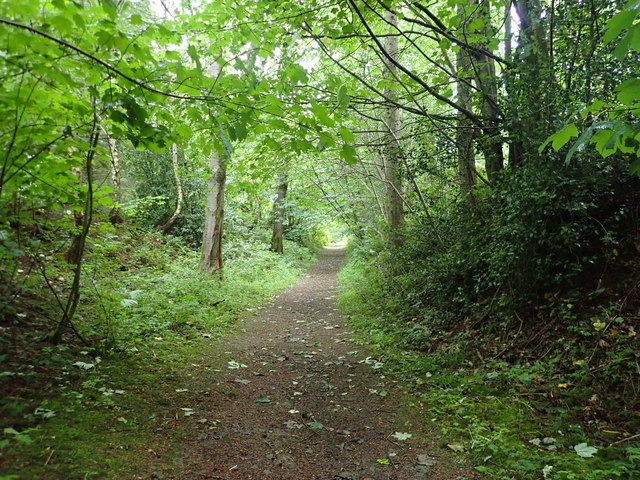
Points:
(513, 421)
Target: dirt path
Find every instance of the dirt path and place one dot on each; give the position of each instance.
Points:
(295, 399)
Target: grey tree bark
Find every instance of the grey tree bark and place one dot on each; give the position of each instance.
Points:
(486, 81)
(279, 214)
(392, 159)
(176, 174)
(211, 261)
(534, 57)
(115, 216)
(465, 132)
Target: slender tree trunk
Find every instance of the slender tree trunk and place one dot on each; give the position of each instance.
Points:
(486, 81)
(537, 74)
(508, 33)
(74, 251)
(176, 174)
(465, 132)
(115, 216)
(69, 309)
(211, 261)
(515, 143)
(393, 179)
(279, 212)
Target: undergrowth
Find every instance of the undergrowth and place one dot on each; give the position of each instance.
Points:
(79, 411)
(516, 419)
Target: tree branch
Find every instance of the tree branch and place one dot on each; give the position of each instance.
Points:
(470, 115)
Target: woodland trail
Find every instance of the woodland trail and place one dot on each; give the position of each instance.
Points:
(293, 398)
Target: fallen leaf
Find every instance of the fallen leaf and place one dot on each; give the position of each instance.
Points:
(456, 447)
(232, 364)
(402, 436)
(292, 424)
(426, 461)
(83, 365)
(585, 451)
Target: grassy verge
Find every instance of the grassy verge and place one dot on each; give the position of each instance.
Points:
(111, 411)
(513, 421)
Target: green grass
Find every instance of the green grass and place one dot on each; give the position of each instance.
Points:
(106, 405)
(490, 412)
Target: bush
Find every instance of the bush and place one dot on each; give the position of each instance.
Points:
(547, 230)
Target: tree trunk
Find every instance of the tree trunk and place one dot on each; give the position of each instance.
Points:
(176, 173)
(536, 72)
(72, 255)
(279, 212)
(465, 133)
(486, 81)
(79, 242)
(115, 215)
(508, 33)
(211, 261)
(392, 160)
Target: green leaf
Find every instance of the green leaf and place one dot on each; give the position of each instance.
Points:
(629, 91)
(325, 141)
(272, 144)
(342, 97)
(620, 129)
(279, 124)
(619, 22)
(79, 21)
(348, 153)
(315, 425)
(561, 138)
(601, 139)
(104, 201)
(582, 142)
(193, 54)
(623, 47)
(184, 130)
(297, 74)
(634, 37)
(263, 400)
(111, 8)
(322, 114)
(347, 135)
